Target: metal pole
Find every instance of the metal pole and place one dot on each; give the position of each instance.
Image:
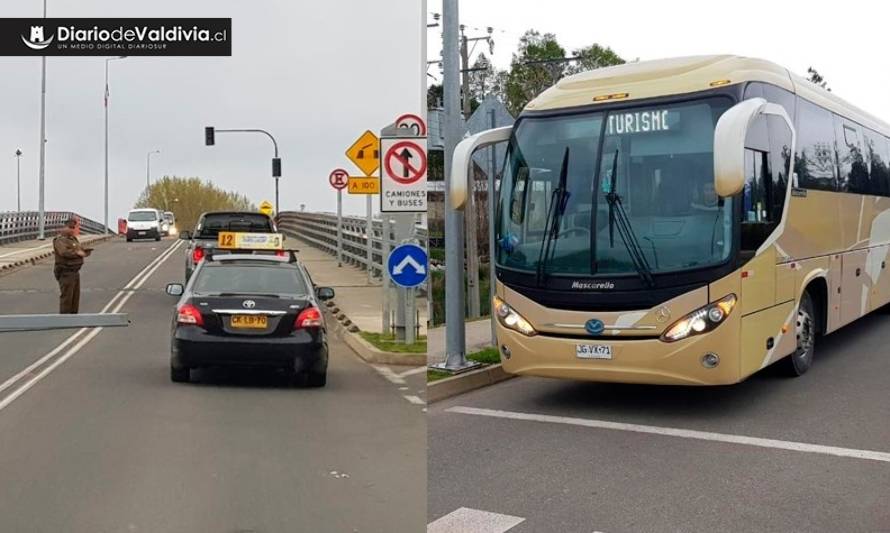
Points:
(492, 199)
(18, 180)
(41, 214)
(423, 113)
(470, 215)
(107, 96)
(276, 197)
(369, 232)
(387, 283)
(455, 333)
(339, 227)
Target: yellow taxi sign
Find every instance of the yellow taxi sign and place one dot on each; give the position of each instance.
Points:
(267, 208)
(233, 240)
(365, 153)
(360, 185)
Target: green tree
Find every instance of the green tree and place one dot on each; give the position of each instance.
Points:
(187, 198)
(593, 57)
(532, 69)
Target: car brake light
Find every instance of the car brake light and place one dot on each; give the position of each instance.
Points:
(189, 314)
(280, 253)
(308, 318)
(197, 254)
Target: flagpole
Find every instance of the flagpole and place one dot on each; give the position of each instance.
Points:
(107, 96)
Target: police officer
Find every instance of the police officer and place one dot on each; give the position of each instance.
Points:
(69, 258)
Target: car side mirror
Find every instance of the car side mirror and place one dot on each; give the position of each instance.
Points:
(185, 235)
(729, 142)
(324, 293)
(175, 289)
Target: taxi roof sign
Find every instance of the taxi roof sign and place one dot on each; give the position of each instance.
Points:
(365, 153)
(233, 240)
(267, 208)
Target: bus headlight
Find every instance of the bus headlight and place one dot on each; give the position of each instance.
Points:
(701, 320)
(510, 319)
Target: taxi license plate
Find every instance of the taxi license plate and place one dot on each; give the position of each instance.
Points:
(250, 321)
(593, 351)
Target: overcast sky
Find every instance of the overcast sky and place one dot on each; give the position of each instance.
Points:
(847, 41)
(315, 74)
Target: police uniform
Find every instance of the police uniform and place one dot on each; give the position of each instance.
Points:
(67, 272)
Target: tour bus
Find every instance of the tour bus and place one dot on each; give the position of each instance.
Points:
(652, 226)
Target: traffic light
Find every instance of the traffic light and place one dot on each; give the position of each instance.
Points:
(276, 167)
(209, 134)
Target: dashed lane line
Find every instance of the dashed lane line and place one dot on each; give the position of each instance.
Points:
(868, 455)
(466, 520)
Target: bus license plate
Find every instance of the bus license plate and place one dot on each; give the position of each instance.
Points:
(593, 351)
(250, 321)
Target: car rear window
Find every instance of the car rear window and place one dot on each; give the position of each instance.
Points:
(241, 279)
(212, 224)
(142, 216)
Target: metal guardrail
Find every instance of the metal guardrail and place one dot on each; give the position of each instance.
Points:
(320, 229)
(22, 226)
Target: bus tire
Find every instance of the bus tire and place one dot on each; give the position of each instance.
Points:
(806, 328)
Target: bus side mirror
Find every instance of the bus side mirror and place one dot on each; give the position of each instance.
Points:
(729, 142)
(459, 183)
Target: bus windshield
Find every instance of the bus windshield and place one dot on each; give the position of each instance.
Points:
(658, 162)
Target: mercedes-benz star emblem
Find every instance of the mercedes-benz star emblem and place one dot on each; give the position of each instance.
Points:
(248, 304)
(662, 314)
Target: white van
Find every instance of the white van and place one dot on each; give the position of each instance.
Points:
(144, 224)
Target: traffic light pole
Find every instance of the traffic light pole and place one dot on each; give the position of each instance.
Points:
(210, 140)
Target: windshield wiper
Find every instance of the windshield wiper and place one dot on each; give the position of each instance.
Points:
(625, 230)
(558, 200)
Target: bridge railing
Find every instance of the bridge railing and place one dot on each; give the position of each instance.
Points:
(22, 225)
(320, 229)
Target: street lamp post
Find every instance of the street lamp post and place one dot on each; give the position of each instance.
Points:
(18, 180)
(210, 140)
(148, 168)
(107, 97)
(41, 214)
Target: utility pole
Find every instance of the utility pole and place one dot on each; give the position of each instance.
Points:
(455, 331)
(41, 213)
(18, 180)
(148, 169)
(107, 98)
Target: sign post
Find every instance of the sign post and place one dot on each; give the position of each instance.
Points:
(408, 266)
(365, 154)
(339, 179)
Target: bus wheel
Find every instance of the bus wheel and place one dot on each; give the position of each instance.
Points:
(801, 360)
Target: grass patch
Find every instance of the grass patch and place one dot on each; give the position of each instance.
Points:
(436, 375)
(388, 343)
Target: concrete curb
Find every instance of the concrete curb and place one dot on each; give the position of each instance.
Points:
(475, 379)
(34, 259)
(368, 351)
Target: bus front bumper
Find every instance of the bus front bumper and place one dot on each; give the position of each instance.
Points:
(645, 361)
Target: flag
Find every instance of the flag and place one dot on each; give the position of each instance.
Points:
(106, 95)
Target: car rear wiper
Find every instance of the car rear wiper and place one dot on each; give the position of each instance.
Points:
(558, 200)
(625, 230)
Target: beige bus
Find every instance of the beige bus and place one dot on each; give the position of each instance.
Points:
(684, 221)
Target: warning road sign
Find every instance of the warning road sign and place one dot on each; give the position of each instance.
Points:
(338, 179)
(267, 208)
(364, 153)
(403, 176)
(361, 185)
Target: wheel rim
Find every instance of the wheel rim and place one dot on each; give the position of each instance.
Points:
(805, 334)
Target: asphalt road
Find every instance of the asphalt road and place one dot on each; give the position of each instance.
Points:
(96, 438)
(496, 465)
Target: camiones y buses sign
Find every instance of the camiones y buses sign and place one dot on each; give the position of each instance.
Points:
(107, 36)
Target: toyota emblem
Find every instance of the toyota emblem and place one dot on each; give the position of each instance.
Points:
(248, 304)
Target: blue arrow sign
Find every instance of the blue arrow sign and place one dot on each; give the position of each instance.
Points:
(407, 265)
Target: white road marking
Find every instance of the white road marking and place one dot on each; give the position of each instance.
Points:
(869, 455)
(23, 250)
(387, 372)
(466, 520)
(123, 296)
(416, 400)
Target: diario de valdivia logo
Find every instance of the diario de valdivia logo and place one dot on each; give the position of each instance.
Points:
(36, 40)
(105, 36)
